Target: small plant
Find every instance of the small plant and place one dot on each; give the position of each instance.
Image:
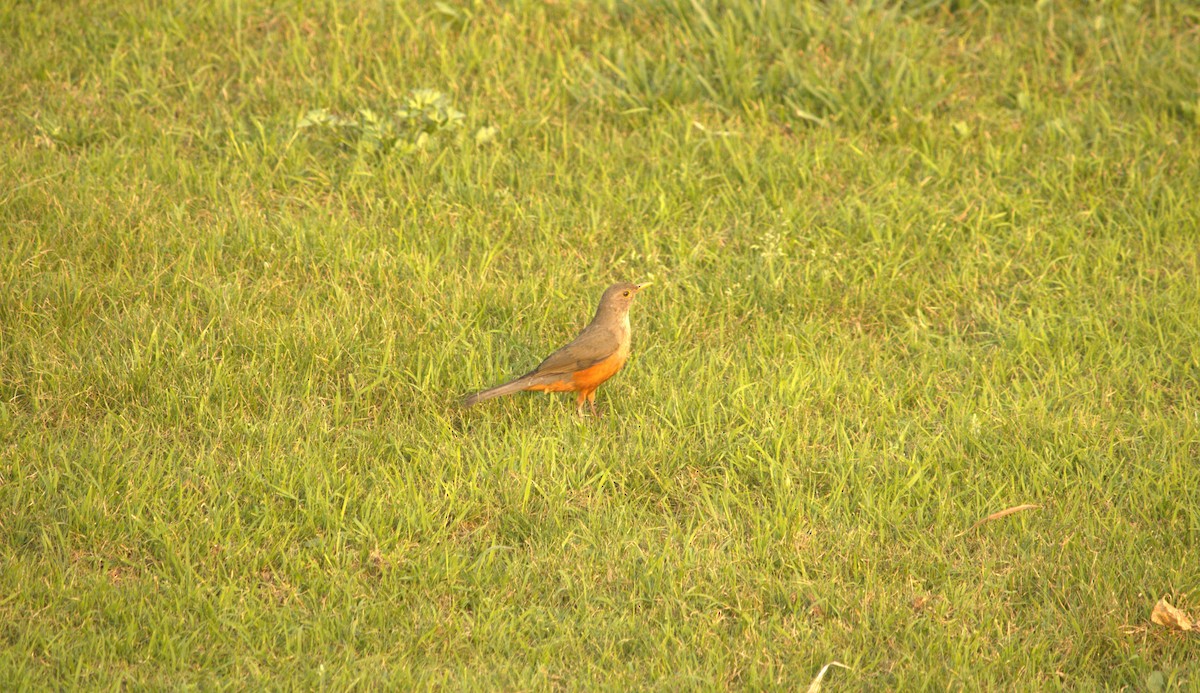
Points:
(430, 111)
(425, 114)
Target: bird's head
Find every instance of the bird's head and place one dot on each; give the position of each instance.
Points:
(618, 297)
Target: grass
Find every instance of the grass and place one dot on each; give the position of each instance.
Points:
(914, 264)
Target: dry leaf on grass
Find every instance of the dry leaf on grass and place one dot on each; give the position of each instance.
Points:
(1168, 616)
(815, 686)
(1003, 513)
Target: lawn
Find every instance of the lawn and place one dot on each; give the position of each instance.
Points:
(913, 263)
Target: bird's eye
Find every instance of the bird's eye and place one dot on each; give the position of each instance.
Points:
(625, 294)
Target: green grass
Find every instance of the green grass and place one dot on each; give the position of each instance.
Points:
(913, 264)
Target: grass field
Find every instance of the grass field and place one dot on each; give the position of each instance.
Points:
(914, 264)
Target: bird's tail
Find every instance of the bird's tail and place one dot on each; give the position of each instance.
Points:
(498, 391)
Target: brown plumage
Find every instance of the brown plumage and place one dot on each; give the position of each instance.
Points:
(591, 358)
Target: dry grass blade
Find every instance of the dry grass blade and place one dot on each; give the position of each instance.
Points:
(1003, 513)
(815, 686)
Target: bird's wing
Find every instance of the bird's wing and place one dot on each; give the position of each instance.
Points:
(588, 349)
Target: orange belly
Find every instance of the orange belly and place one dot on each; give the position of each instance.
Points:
(591, 377)
(587, 379)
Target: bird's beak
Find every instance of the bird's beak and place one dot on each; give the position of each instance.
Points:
(642, 286)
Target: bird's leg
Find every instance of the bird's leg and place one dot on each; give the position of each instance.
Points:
(579, 404)
(591, 400)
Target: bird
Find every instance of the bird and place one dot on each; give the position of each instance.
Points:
(593, 357)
